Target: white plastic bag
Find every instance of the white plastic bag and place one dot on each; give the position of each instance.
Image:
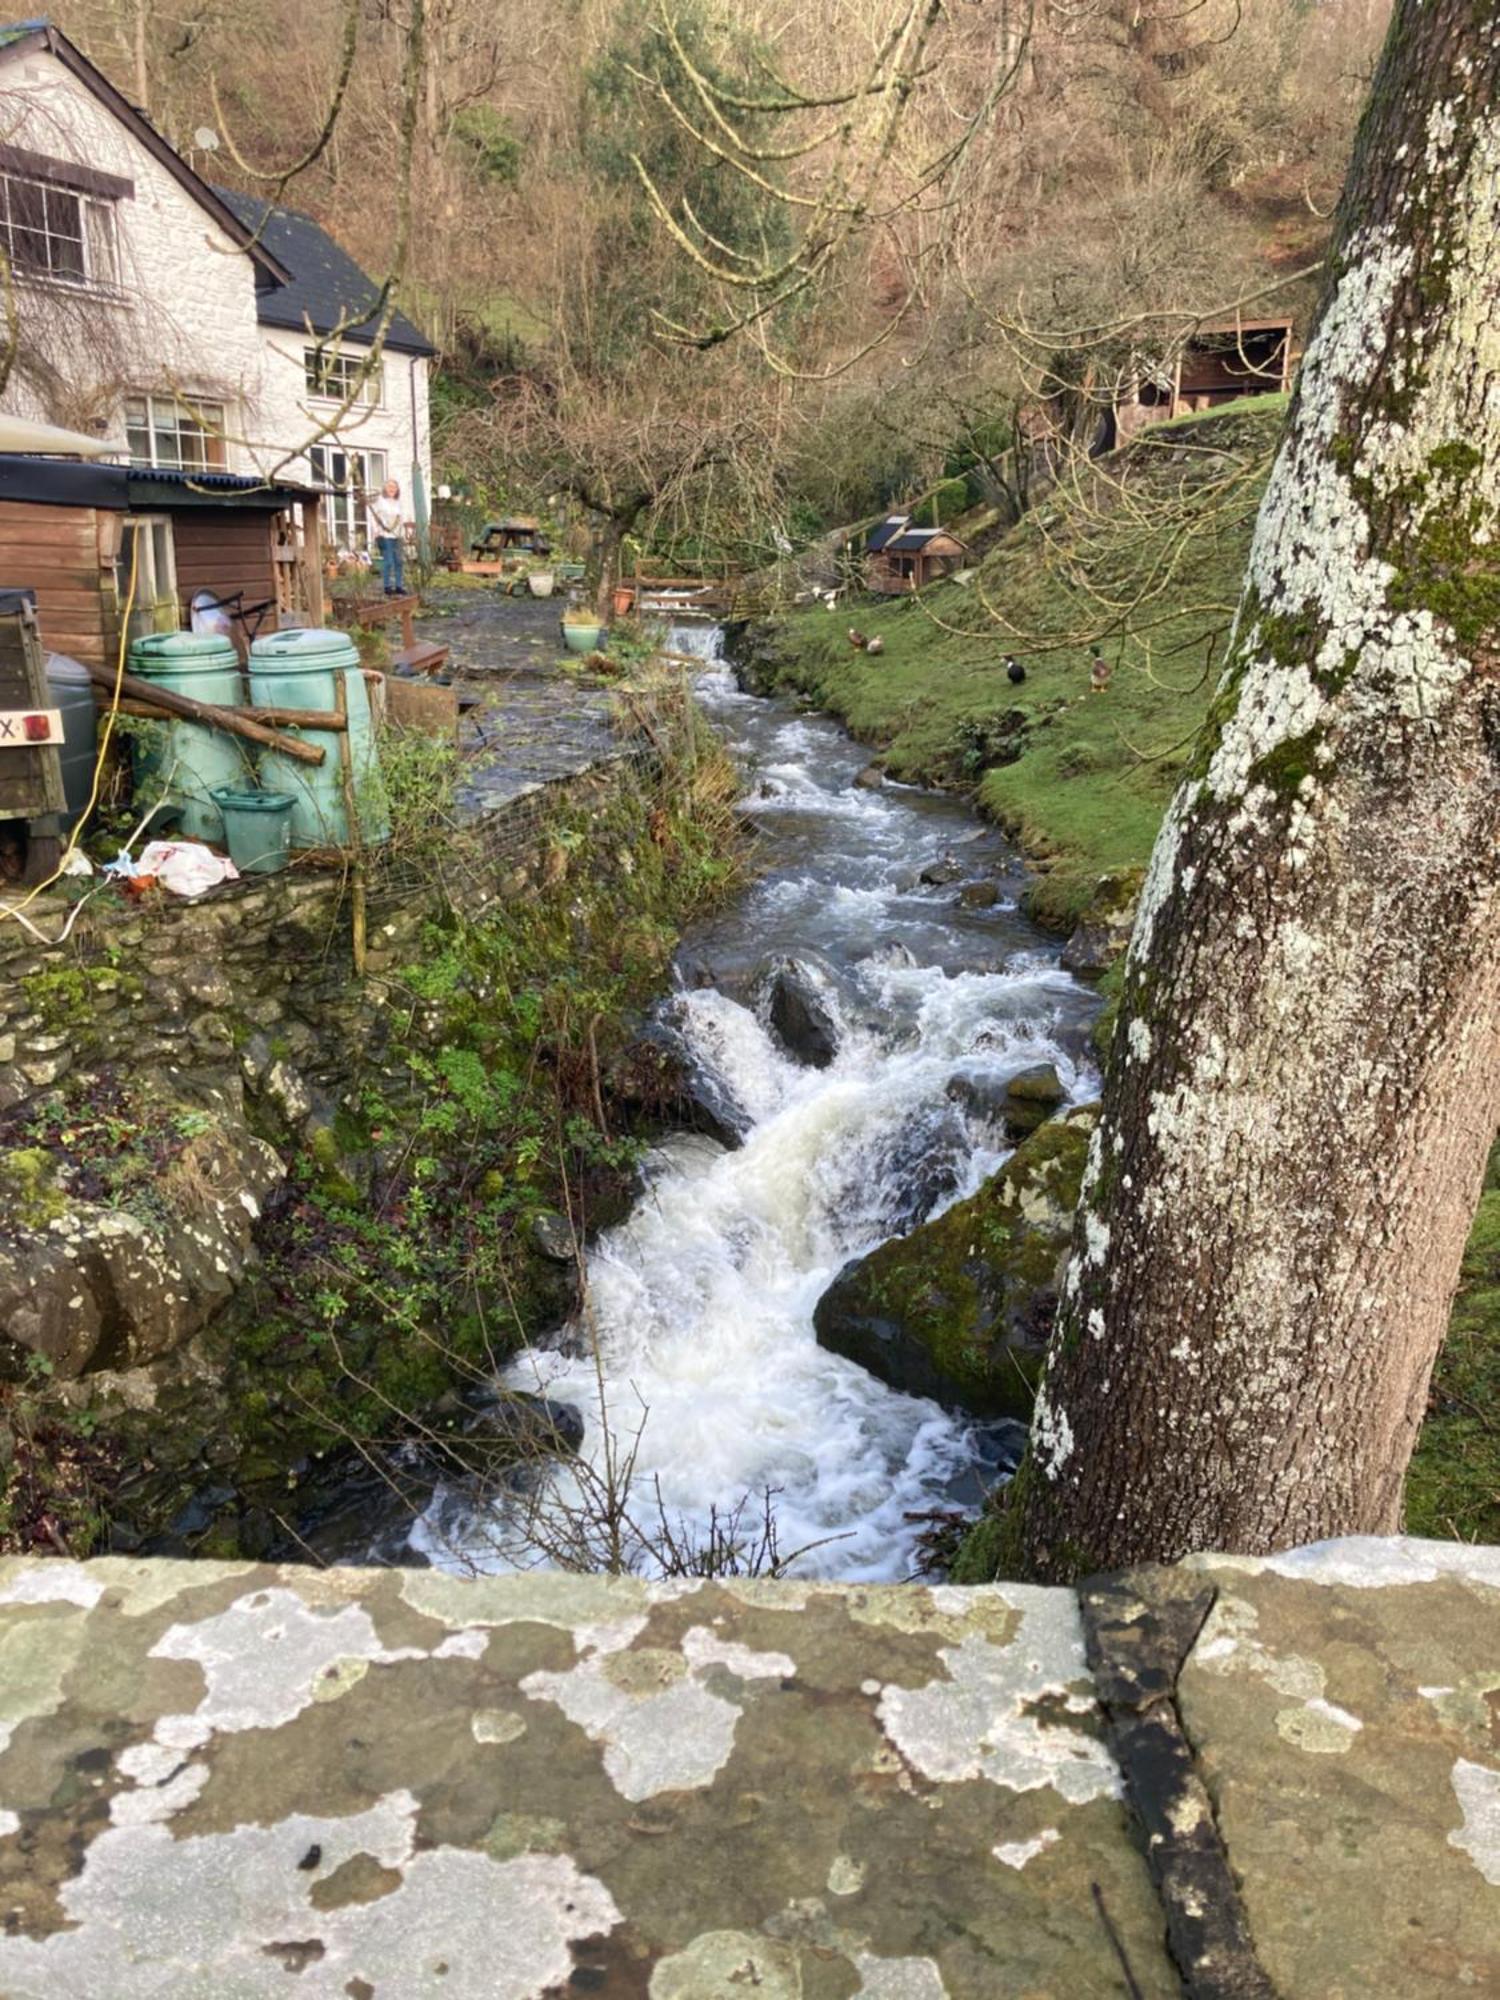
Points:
(186, 867)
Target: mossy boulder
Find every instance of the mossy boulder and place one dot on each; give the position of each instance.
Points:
(28, 1185)
(1031, 1097)
(961, 1309)
(1100, 938)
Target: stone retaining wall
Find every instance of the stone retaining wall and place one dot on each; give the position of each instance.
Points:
(166, 983)
(238, 1017)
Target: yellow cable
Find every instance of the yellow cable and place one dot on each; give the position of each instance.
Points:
(110, 717)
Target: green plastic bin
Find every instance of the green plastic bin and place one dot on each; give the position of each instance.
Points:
(257, 829)
(301, 669)
(202, 761)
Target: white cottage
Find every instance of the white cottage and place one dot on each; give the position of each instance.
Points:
(194, 328)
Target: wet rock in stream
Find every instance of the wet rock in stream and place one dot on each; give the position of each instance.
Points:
(801, 1010)
(961, 1308)
(660, 1079)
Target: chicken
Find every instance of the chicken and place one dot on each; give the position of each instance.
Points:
(875, 645)
(1099, 674)
(1015, 673)
(857, 640)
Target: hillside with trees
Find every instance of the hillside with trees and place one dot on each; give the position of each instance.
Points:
(580, 206)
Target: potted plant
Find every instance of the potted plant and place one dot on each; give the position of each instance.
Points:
(582, 629)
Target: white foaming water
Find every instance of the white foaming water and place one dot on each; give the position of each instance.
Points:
(698, 1350)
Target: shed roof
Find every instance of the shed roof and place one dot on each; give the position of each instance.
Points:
(1242, 326)
(913, 541)
(326, 291)
(885, 532)
(66, 482)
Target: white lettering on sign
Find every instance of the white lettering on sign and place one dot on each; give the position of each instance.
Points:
(30, 728)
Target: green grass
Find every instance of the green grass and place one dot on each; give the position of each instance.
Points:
(1096, 771)
(1453, 1488)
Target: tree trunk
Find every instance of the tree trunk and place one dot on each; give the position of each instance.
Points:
(611, 536)
(1306, 1076)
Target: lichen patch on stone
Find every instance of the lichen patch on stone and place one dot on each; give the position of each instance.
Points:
(984, 1720)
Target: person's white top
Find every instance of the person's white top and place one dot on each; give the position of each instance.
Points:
(385, 515)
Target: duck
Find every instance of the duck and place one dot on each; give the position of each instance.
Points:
(875, 645)
(1015, 673)
(1099, 674)
(857, 640)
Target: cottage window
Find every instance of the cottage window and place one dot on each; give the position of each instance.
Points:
(350, 478)
(336, 377)
(182, 436)
(49, 231)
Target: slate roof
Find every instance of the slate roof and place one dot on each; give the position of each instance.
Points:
(910, 540)
(885, 532)
(327, 286)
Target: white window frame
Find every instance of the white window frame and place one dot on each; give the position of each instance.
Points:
(96, 235)
(329, 373)
(350, 478)
(154, 607)
(187, 419)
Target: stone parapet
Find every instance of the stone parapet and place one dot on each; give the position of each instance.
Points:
(223, 1781)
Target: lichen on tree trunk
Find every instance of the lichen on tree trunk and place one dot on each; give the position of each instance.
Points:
(1306, 1076)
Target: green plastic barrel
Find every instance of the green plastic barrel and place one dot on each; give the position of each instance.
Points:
(257, 829)
(200, 760)
(302, 670)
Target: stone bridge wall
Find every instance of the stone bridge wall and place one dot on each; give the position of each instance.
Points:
(1248, 1779)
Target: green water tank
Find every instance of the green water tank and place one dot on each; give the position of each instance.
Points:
(302, 669)
(199, 761)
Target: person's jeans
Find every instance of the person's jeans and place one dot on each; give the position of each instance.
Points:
(391, 576)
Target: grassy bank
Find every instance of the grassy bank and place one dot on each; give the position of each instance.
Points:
(1082, 779)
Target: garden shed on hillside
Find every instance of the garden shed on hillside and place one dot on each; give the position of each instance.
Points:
(70, 531)
(1220, 362)
(900, 558)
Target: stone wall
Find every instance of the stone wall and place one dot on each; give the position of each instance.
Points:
(1228, 1778)
(242, 1016)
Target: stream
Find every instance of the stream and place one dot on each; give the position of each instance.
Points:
(698, 1372)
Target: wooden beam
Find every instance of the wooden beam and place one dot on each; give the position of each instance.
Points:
(211, 717)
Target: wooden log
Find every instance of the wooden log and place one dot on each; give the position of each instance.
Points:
(274, 718)
(230, 720)
(295, 718)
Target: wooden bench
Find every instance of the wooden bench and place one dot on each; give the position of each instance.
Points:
(420, 657)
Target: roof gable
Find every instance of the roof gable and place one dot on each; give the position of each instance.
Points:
(913, 540)
(326, 291)
(21, 37)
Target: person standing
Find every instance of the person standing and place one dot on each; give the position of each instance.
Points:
(386, 523)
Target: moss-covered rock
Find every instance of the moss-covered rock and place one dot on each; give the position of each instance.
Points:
(1102, 933)
(1031, 1097)
(961, 1309)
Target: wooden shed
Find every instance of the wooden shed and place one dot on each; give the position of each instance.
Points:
(900, 558)
(70, 531)
(1218, 363)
